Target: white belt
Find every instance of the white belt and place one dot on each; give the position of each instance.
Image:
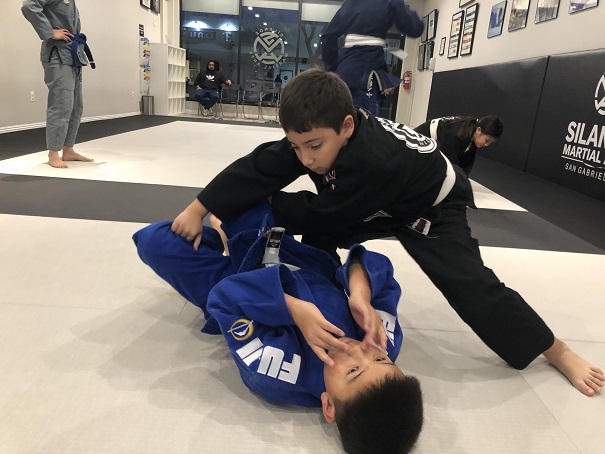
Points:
(363, 40)
(448, 181)
(433, 128)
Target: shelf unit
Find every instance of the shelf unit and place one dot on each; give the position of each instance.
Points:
(167, 79)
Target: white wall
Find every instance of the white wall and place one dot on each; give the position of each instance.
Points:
(112, 29)
(580, 31)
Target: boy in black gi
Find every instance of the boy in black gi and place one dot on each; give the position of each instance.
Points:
(376, 178)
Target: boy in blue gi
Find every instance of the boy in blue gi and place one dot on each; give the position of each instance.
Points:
(281, 321)
(64, 52)
(374, 179)
(361, 62)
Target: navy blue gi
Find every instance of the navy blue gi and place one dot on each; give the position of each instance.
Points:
(362, 66)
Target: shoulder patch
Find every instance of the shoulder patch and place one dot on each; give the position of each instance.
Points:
(412, 139)
(241, 329)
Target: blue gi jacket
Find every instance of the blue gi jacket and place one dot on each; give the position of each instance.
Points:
(272, 356)
(246, 302)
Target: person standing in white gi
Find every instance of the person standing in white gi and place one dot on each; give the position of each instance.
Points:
(57, 23)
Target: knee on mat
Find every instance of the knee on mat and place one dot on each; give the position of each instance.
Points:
(151, 242)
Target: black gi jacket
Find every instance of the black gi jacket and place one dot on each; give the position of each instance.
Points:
(386, 176)
(458, 151)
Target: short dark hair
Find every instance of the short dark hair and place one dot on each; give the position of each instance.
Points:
(315, 99)
(385, 418)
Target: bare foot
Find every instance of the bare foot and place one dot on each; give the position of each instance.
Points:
(55, 161)
(69, 154)
(587, 378)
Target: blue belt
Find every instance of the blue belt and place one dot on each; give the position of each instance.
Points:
(76, 40)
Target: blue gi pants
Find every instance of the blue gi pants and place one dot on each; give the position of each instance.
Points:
(369, 99)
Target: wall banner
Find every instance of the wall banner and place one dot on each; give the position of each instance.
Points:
(568, 146)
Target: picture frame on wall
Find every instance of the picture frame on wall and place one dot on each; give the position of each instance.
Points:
(468, 30)
(421, 52)
(496, 19)
(581, 5)
(455, 32)
(518, 15)
(146, 3)
(428, 53)
(462, 3)
(432, 25)
(442, 46)
(155, 5)
(546, 10)
(425, 23)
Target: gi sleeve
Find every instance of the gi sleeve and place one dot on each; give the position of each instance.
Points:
(406, 19)
(450, 144)
(468, 159)
(385, 292)
(269, 168)
(33, 10)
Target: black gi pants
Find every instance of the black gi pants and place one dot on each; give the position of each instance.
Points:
(450, 257)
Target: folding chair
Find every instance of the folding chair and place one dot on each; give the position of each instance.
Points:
(252, 96)
(271, 97)
(230, 94)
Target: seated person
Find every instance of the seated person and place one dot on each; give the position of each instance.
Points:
(460, 137)
(207, 84)
(281, 320)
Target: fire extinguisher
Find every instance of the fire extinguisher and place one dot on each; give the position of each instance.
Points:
(407, 80)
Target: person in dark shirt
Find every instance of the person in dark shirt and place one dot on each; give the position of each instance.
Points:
(207, 84)
(374, 179)
(460, 137)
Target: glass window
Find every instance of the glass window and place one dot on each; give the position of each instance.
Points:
(209, 36)
(316, 16)
(265, 42)
(269, 37)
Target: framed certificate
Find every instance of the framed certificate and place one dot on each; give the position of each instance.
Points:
(468, 31)
(455, 32)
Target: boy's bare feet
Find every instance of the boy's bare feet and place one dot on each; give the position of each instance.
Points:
(69, 154)
(55, 160)
(587, 378)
